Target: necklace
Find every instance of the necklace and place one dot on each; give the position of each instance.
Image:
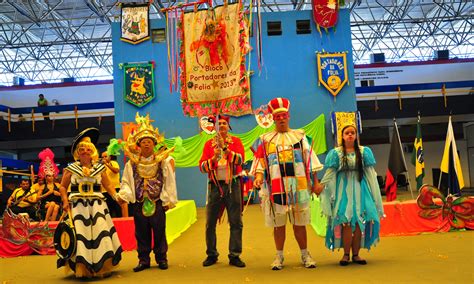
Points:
(147, 170)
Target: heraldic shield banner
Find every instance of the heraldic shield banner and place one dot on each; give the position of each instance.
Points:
(332, 71)
(139, 83)
(134, 23)
(213, 77)
(325, 12)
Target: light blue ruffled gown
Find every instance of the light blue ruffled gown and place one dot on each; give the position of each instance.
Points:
(345, 199)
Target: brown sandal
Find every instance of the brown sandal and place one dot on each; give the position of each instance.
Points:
(344, 262)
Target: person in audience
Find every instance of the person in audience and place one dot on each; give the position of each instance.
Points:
(285, 168)
(47, 188)
(112, 169)
(23, 200)
(98, 248)
(222, 160)
(43, 102)
(351, 197)
(149, 183)
(21, 118)
(55, 102)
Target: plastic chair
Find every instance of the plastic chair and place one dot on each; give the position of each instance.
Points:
(402, 181)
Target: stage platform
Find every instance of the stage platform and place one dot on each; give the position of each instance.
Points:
(401, 219)
(178, 220)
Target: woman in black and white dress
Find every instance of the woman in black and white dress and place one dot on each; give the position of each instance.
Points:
(98, 248)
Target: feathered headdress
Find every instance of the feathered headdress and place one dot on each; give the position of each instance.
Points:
(115, 147)
(47, 165)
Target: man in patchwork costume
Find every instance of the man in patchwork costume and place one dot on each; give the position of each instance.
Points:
(149, 183)
(285, 169)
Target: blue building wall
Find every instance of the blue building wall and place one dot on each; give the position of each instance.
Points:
(289, 71)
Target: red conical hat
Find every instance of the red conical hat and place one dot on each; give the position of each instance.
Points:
(278, 105)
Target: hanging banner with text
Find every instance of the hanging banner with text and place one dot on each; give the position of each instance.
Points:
(213, 77)
(139, 83)
(134, 23)
(332, 71)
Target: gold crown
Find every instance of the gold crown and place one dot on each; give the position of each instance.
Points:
(144, 130)
(346, 124)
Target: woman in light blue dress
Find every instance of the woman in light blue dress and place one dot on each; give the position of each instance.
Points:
(351, 198)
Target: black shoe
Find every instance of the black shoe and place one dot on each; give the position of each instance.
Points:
(141, 267)
(236, 261)
(163, 264)
(344, 262)
(210, 260)
(358, 261)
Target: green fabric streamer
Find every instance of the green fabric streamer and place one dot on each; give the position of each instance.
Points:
(193, 146)
(318, 220)
(179, 151)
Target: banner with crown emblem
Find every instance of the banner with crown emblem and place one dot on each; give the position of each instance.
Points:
(139, 83)
(332, 71)
(135, 23)
(213, 45)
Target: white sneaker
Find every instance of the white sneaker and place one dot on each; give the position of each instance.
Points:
(308, 261)
(277, 264)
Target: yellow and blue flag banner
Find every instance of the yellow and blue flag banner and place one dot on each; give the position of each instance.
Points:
(417, 158)
(451, 180)
(332, 71)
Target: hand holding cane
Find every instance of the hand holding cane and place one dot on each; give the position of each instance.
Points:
(21, 199)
